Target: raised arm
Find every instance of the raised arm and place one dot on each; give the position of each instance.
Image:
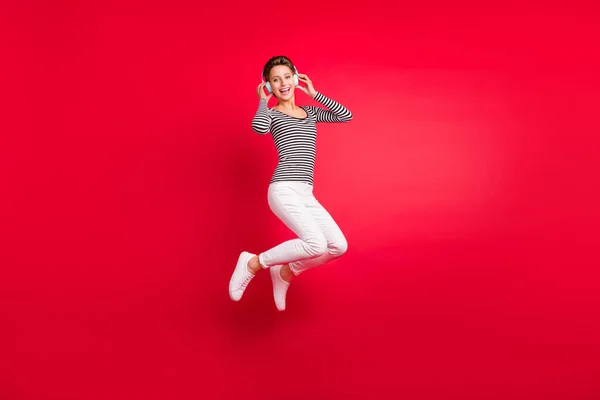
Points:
(261, 123)
(335, 112)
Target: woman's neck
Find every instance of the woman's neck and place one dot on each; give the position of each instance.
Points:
(286, 104)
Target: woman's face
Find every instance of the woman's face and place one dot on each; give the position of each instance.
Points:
(282, 82)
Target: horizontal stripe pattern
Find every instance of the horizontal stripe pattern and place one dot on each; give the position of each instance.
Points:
(295, 138)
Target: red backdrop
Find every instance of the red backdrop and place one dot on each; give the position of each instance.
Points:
(466, 185)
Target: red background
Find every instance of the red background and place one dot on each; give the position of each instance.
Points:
(466, 185)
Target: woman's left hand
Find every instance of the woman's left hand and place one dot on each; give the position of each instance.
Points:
(309, 89)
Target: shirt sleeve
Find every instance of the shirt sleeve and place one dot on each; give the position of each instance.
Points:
(261, 123)
(335, 112)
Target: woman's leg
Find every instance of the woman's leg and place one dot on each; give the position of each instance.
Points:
(319, 238)
(281, 276)
(336, 241)
(288, 201)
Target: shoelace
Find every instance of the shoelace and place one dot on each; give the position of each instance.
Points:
(246, 281)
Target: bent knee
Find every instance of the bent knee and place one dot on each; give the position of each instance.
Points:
(339, 247)
(316, 246)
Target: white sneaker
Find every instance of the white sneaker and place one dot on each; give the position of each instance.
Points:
(280, 287)
(241, 276)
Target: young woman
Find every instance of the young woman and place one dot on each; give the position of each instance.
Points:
(290, 192)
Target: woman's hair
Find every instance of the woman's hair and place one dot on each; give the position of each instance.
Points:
(277, 60)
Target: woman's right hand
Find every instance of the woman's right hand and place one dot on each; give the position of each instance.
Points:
(261, 92)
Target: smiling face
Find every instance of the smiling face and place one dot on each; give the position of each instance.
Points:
(281, 78)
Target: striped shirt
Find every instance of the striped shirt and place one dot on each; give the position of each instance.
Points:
(295, 138)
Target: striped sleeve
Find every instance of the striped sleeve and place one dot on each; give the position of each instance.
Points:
(261, 123)
(335, 112)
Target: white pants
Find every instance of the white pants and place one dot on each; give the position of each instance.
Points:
(319, 237)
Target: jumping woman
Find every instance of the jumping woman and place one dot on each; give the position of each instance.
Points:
(290, 193)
